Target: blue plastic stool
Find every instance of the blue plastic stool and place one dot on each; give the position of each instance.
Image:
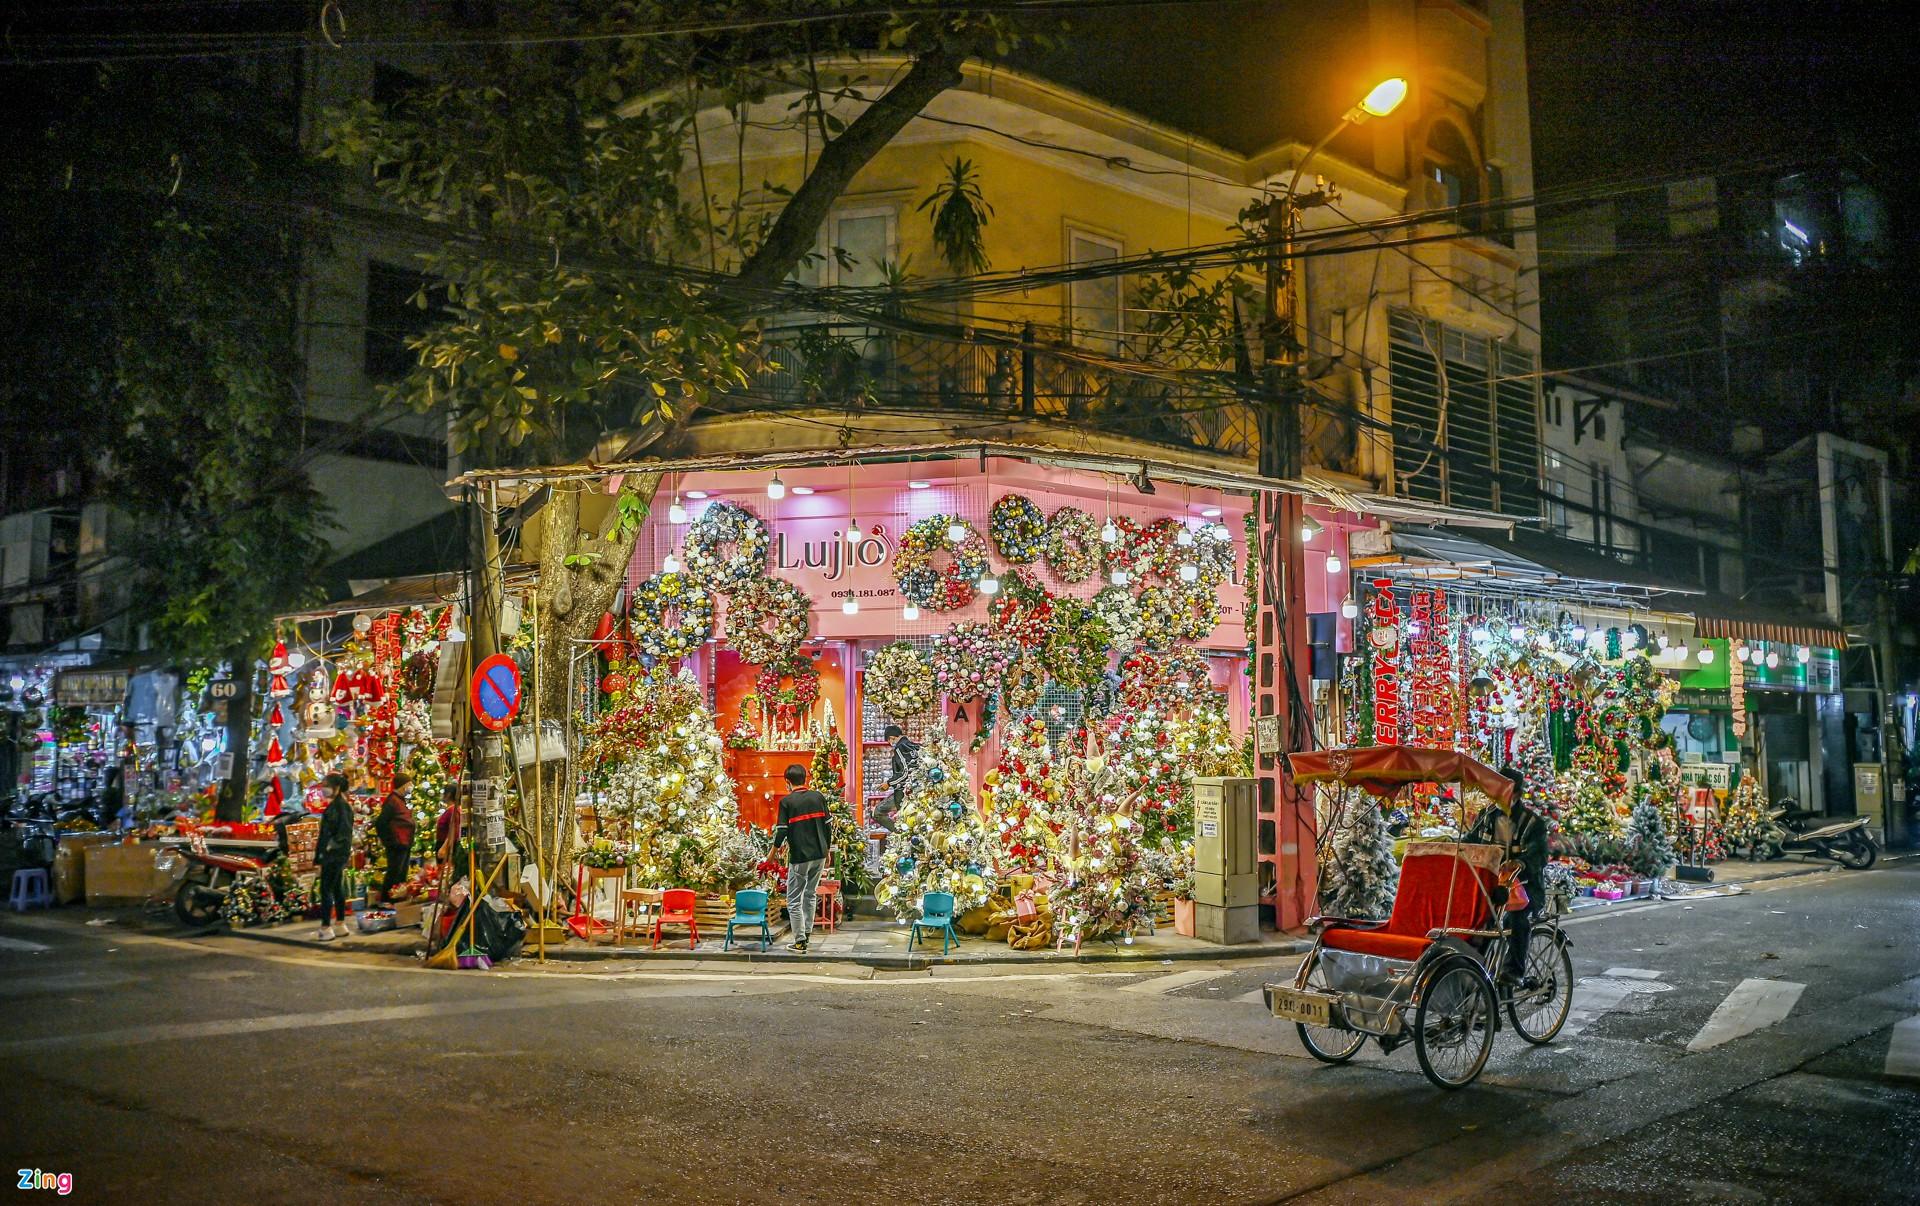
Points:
(936, 913)
(749, 908)
(30, 891)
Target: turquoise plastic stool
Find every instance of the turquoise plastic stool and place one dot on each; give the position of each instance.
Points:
(749, 908)
(936, 913)
(30, 891)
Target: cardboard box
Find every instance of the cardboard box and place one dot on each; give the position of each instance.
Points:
(121, 875)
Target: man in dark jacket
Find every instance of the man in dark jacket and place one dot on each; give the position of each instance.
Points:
(803, 828)
(906, 756)
(1522, 833)
(331, 850)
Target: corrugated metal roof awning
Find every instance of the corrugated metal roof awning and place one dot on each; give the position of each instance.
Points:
(1521, 562)
(1739, 620)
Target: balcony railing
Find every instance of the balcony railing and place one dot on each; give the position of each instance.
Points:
(1035, 375)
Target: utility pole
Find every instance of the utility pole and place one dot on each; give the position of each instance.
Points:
(1283, 667)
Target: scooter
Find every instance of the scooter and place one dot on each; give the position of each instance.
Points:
(1849, 842)
(210, 876)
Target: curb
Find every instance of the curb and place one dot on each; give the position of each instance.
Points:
(916, 962)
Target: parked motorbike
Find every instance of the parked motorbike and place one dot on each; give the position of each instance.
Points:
(1849, 842)
(210, 876)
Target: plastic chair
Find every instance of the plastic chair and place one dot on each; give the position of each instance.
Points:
(30, 891)
(676, 908)
(749, 908)
(827, 903)
(936, 913)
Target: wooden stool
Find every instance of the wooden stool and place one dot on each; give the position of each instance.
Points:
(826, 907)
(640, 903)
(586, 885)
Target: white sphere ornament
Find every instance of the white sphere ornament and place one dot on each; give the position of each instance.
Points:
(363, 623)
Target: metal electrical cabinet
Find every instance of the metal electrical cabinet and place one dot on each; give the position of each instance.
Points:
(1226, 878)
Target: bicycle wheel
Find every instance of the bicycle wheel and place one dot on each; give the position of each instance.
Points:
(1328, 1044)
(1453, 1027)
(1539, 1012)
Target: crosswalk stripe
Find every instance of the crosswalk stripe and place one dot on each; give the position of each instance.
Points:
(1634, 973)
(1166, 984)
(1903, 1049)
(21, 944)
(1591, 1002)
(1257, 997)
(1752, 1005)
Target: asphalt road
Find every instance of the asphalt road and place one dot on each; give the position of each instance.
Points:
(156, 1069)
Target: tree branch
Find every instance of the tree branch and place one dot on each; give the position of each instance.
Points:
(793, 232)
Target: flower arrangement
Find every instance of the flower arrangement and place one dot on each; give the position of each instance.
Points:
(791, 686)
(1120, 612)
(968, 660)
(1018, 528)
(767, 619)
(672, 615)
(1073, 545)
(898, 681)
(1023, 682)
(604, 853)
(1076, 653)
(727, 545)
(946, 588)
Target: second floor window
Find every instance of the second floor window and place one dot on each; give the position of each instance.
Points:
(859, 246)
(1093, 304)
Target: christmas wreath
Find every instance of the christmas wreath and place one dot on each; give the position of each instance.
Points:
(1025, 613)
(417, 673)
(898, 681)
(672, 615)
(793, 699)
(1018, 528)
(767, 619)
(1171, 614)
(1214, 554)
(1161, 680)
(1163, 551)
(942, 589)
(727, 545)
(968, 660)
(1076, 654)
(1131, 552)
(1024, 681)
(1073, 545)
(1120, 611)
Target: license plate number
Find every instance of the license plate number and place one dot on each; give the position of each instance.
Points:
(1295, 1005)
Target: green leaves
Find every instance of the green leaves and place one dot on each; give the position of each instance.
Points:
(960, 214)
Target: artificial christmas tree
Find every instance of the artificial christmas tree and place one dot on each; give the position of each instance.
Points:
(1358, 874)
(827, 775)
(659, 756)
(1649, 848)
(1111, 886)
(939, 842)
(1022, 802)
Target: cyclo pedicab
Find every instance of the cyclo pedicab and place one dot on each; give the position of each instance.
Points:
(1427, 974)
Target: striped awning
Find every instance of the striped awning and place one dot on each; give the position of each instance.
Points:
(1746, 622)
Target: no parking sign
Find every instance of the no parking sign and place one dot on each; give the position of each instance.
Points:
(496, 692)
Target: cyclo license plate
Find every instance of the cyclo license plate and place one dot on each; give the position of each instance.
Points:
(1297, 1005)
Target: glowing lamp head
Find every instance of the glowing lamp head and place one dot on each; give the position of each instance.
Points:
(850, 607)
(1384, 97)
(989, 585)
(670, 564)
(1189, 572)
(676, 513)
(776, 489)
(1773, 660)
(1803, 655)
(1108, 533)
(1706, 655)
(910, 613)
(956, 532)
(1515, 632)
(853, 532)
(1118, 577)
(1348, 608)
(1334, 564)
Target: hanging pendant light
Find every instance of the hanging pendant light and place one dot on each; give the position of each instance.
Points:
(1348, 608)
(776, 489)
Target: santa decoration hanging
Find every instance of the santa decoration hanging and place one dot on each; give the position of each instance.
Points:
(277, 666)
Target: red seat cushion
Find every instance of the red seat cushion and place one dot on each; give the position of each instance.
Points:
(1376, 942)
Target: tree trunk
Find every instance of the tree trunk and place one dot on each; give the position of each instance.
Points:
(233, 793)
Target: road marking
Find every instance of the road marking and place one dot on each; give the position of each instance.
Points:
(1596, 996)
(1165, 984)
(21, 944)
(1752, 1005)
(1903, 1049)
(1257, 997)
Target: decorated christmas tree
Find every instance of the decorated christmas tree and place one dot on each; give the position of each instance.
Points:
(1534, 760)
(1649, 848)
(1358, 874)
(1746, 816)
(827, 775)
(1022, 802)
(1112, 884)
(659, 757)
(939, 842)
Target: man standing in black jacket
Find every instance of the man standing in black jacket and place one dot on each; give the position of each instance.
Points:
(803, 828)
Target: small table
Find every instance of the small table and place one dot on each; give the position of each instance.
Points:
(643, 901)
(586, 886)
